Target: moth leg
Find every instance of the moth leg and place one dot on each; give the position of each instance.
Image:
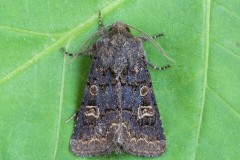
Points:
(144, 39)
(89, 51)
(158, 68)
(73, 54)
(71, 118)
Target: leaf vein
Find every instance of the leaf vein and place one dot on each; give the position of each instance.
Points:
(224, 47)
(227, 9)
(205, 74)
(60, 107)
(225, 101)
(20, 30)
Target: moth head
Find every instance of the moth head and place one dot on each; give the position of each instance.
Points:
(119, 27)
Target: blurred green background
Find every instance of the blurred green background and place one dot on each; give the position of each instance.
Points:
(198, 98)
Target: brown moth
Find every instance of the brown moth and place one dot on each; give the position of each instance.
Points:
(119, 112)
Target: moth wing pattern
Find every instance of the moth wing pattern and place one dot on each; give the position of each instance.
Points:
(94, 132)
(119, 110)
(143, 133)
(87, 139)
(91, 135)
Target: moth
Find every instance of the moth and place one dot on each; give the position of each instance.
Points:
(119, 112)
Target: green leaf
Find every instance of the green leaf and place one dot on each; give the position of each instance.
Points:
(198, 97)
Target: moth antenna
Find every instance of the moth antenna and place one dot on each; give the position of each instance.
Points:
(153, 42)
(84, 44)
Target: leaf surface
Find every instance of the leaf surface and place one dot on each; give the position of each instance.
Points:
(198, 97)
